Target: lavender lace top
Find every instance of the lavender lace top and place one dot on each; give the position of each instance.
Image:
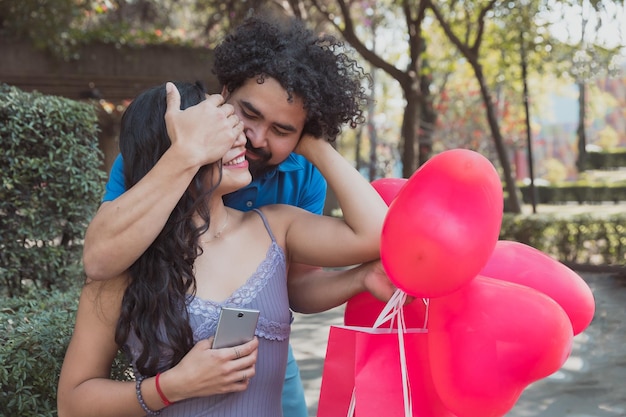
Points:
(266, 291)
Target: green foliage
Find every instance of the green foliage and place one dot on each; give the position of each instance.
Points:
(51, 185)
(580, 193)
(579, 239)
(606, 159)
(35, 330)
(61, 27)
(48, 24)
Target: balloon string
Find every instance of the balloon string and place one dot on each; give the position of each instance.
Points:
(406, 387)
(394, 310)
(352, 407)
(426, 302)
(390, 311)
(396, 304)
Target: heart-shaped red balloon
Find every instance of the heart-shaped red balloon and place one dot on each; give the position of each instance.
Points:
(489, 340)
(443, 225)
(388, 188)
(523, 264)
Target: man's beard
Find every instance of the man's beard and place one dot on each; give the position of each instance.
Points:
(258, 167)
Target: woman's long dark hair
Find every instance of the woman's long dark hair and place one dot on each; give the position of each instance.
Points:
(154, 304)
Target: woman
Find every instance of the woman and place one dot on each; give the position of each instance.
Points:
(163, 312)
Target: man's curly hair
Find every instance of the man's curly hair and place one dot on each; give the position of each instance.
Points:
(313, 67)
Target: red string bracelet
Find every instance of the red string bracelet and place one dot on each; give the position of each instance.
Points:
(158, 388)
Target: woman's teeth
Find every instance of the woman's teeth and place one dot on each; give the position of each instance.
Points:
(236, 161)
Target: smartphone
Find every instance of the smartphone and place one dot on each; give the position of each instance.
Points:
(235, 326)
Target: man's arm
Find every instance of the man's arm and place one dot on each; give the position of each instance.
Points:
(124, 228)
(308, 286)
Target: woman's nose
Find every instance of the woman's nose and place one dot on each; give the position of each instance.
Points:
(241, 139)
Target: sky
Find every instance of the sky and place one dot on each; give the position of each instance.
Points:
(611, 33)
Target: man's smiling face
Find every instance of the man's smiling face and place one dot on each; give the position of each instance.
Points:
(272, 123)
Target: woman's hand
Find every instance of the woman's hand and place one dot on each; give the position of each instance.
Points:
(205, 371)
(309, 145)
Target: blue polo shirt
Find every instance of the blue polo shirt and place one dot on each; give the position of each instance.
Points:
(295, 182)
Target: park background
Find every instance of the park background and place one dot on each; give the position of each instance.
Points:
(538, 87)
(444, 74)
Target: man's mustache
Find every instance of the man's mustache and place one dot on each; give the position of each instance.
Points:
(262, 153)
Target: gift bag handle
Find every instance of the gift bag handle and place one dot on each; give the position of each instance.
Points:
(394, 312)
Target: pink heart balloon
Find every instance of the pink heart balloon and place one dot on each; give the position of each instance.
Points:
(388, 188)
(525, 265)
(443, 225)
(490, 340)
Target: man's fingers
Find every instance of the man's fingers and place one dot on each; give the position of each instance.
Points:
(216, 100)
(234, 120)
(173, 97)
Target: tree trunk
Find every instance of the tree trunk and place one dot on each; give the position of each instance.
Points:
(428, 120)
(357, 149)
(471, 54)
(410, 127)
(513, 204)
(581, 161)
(371, 130)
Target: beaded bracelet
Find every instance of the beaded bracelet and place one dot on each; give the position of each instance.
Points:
(142, 403)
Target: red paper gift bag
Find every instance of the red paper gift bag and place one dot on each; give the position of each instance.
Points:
(338, 373)
(366, 361)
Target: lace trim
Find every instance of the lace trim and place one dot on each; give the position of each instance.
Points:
(273, 330)
(243, 296)
(267, 329)
(247, 292)
(205, 313)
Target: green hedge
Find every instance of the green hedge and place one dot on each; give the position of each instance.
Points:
(560, 194)
(35, 330)
(574, 239)
(606, 160)
(34, 333)
(52, 183)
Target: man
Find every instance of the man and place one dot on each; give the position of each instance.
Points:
(261, 67)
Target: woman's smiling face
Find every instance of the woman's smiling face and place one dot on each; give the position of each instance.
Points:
(235, 167)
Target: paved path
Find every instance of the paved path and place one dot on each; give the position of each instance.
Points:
(592, 383)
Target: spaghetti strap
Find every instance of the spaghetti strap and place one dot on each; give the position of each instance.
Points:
(267, 225)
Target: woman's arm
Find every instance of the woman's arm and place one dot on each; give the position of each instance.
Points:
(328, 241)
(84, 385)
